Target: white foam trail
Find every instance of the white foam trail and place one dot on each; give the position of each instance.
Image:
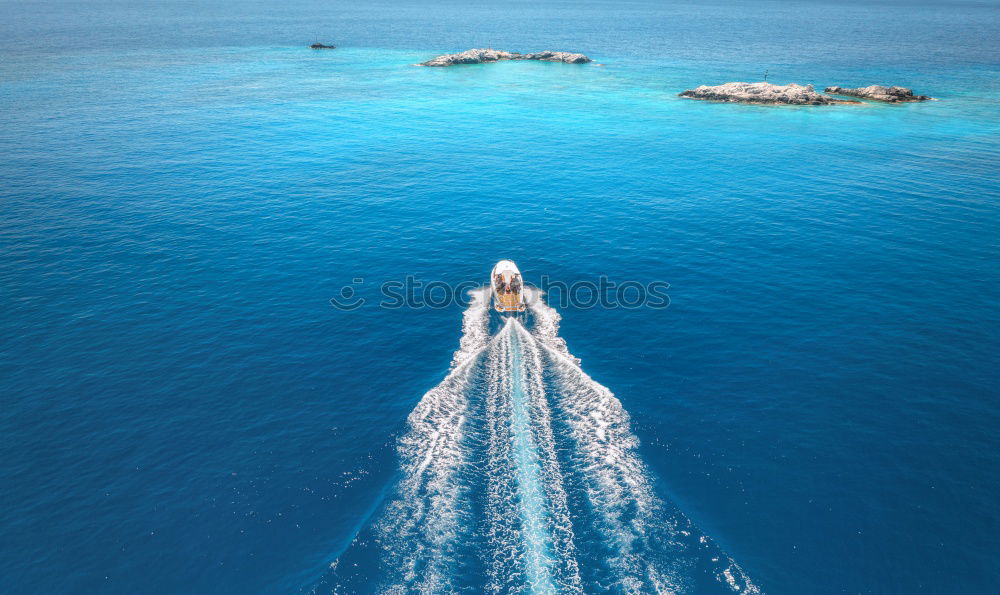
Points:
(475, 327)
(505, 561)
(618, 484)
(546, 324)
(423, 521)
(531, 535)
(530, 382)
(530, 492)
(559, 528)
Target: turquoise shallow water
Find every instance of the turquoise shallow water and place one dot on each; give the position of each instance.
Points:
(186, 186)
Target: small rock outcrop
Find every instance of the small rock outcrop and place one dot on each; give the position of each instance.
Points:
(320, 46)
(549, 56)
(477, 56)
(879, 93)
(481, 56)
(763, 93)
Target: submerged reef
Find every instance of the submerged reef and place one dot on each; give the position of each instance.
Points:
(879, 93)
(763, 93)
(481, 56)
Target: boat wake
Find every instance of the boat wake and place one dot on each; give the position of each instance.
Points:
(519, 473)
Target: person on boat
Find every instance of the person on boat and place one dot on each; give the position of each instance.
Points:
(515, 284)
(501, 286)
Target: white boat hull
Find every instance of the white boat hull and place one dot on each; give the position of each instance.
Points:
(508, 287)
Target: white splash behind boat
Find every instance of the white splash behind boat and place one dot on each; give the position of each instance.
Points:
(508, 287)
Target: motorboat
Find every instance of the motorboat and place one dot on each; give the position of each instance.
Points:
(508, 287)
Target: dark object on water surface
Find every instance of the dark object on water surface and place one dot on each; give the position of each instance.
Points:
(320, 46)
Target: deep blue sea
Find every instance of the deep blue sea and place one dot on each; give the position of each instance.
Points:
(185, 186)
